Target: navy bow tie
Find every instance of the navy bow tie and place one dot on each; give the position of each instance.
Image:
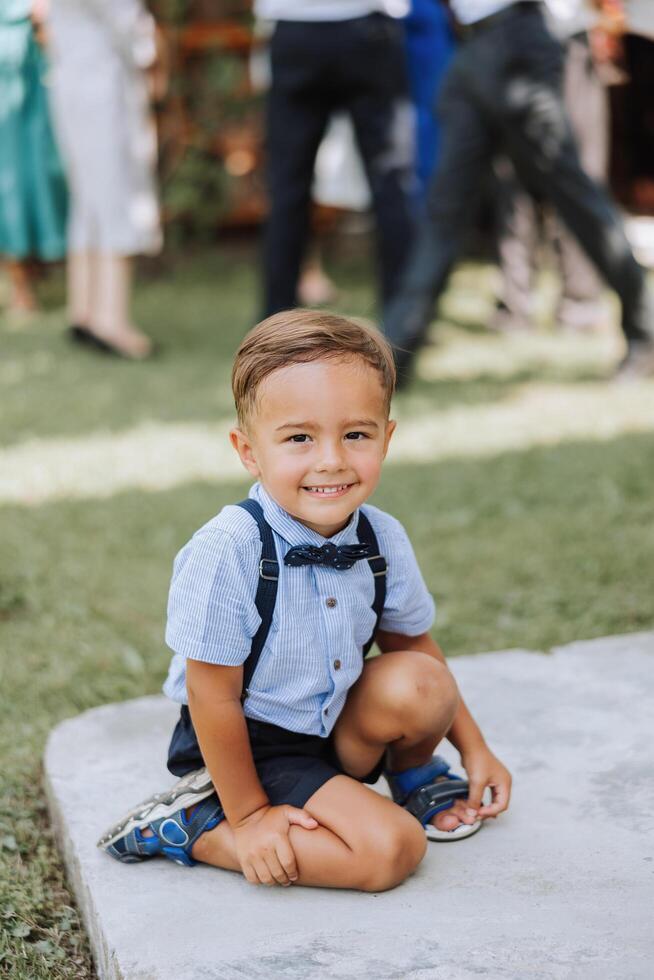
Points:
(334, 556)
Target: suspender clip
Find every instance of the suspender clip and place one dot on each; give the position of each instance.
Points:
(378, 569)
(269, 565)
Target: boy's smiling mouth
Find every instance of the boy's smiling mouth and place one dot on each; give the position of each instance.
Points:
(333, 490)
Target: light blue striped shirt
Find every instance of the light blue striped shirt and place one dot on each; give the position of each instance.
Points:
(313, 654)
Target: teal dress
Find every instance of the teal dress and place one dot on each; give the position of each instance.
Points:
(32, 186)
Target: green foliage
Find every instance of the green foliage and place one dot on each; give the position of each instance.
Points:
(170, 11)
(194, 196)
(209, 94)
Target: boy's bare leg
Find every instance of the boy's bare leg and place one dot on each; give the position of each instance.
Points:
(364, 840)
(404, 701)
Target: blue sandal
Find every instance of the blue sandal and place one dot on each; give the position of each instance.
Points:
(173, 833)
(427, 790)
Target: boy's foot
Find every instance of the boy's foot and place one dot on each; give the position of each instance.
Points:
(167, 823)
(429, 792)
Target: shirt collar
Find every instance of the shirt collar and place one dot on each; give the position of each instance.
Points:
(292, 530)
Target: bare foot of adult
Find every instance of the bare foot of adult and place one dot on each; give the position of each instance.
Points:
(23, 303)
(127, 342)
(315, 288)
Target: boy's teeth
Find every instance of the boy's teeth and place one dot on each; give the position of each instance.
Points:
(327, 489)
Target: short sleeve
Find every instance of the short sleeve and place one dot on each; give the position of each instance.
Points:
(212, 615)
(409, 607)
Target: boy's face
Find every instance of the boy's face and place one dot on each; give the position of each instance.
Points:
(317, 439)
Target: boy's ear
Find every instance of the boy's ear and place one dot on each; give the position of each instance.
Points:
(243, 446)
(390, 429)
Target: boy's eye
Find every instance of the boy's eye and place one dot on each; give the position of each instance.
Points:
(299, 437)
(356, 435)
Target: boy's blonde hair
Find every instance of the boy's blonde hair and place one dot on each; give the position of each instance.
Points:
(300, 336)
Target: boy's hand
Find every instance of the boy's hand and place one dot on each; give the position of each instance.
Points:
(262, 845)
(484, 769)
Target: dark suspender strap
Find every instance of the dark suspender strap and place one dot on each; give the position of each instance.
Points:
(266, 588)
(378, 567)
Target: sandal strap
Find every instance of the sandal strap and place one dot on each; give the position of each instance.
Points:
(173, 835)
(426, 790)
(177, 834)
(402, 784)
(426, 801)
(134, 847)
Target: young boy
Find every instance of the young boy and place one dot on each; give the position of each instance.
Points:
(272, 606)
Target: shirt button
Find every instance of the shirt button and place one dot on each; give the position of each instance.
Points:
(337, 665)
(330, 603)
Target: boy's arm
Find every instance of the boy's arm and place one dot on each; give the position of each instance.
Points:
(482, 767)
(214, 700)
(260, 830)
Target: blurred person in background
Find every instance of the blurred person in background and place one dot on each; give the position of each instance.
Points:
(32, 185)
(430, 45)
(339, 176)
(503, 90)
(105, 71)
(331, 55)
(589, 49)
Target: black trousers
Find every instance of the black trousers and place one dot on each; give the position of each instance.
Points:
(503, 91)
(317, 68)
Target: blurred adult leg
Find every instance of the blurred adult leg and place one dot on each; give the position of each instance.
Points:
(430, 45)
(539, 140)
(79, 276)
(110, 315)
(586, 102)
(509, 76)
(375, 83)
(297, 114)
(519, 234)
(22, 298)
(517, 245)
(466, 150)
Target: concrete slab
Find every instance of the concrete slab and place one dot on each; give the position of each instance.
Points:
(561, 887)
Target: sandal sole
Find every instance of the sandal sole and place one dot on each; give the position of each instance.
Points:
(189, 790)
(449, 836)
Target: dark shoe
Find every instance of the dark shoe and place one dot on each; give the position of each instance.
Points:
(83, 335)
(638, 362)
(80, 334)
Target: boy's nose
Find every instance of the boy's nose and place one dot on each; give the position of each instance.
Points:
(331, 458)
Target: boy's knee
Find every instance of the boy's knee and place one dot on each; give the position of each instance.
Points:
(419, 684)
(391, 854)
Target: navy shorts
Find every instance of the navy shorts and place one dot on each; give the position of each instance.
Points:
(290, 765)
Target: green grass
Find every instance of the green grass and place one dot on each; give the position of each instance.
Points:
(527, 548)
